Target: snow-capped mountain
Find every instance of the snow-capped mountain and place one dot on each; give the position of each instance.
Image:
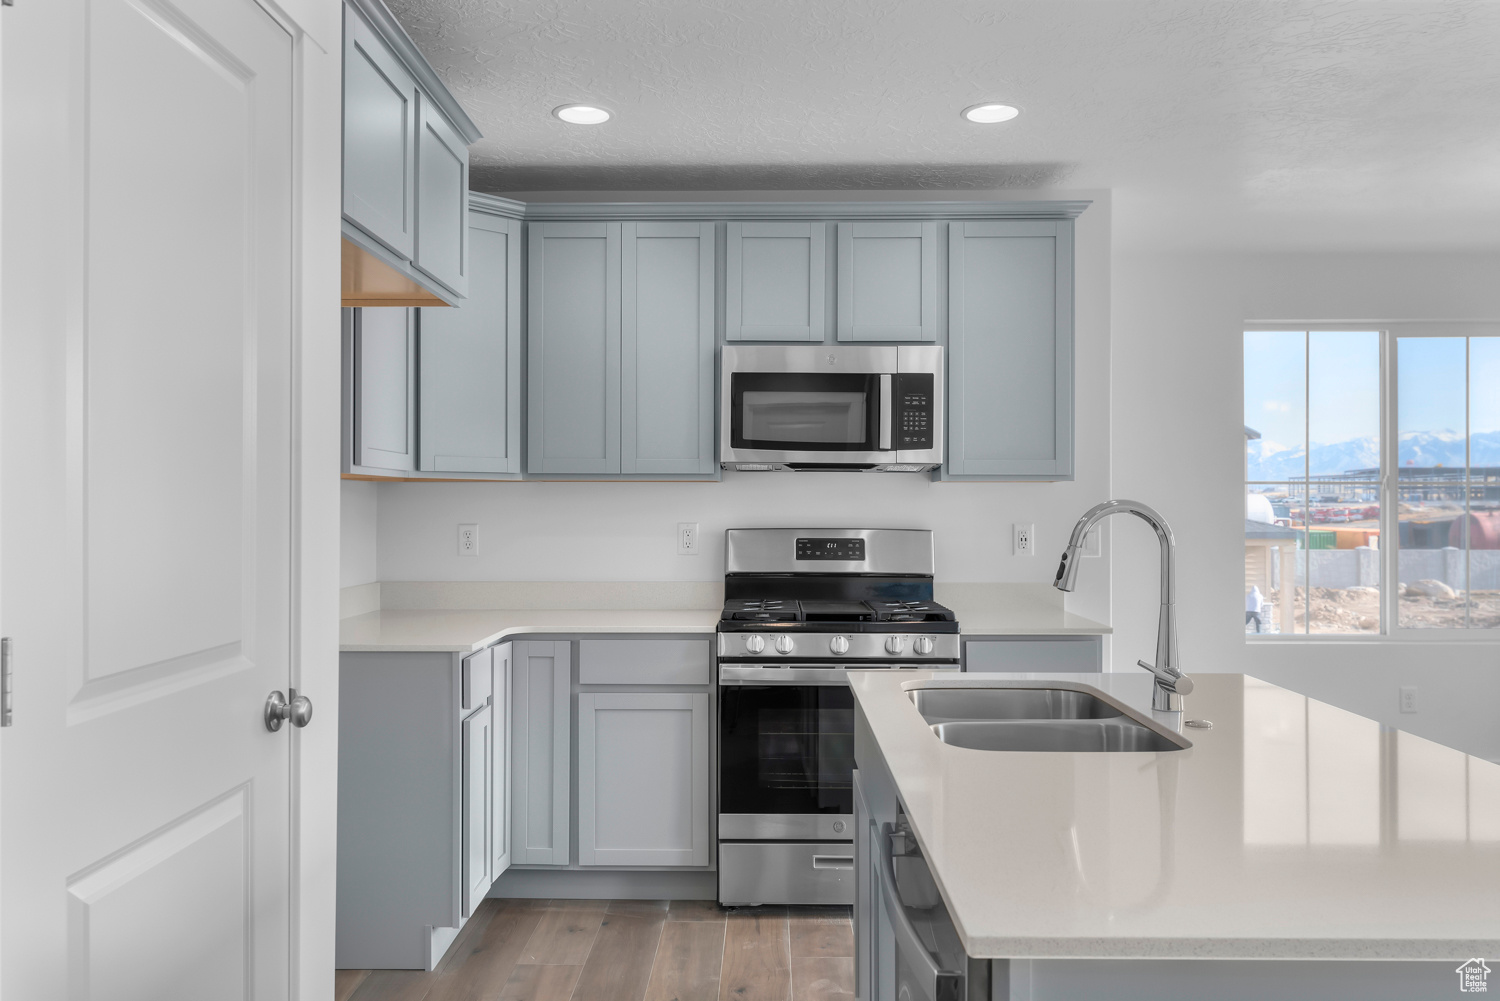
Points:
(1272, 461)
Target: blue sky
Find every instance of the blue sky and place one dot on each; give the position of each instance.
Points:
(1345, 394)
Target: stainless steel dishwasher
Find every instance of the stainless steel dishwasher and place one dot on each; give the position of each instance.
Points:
(927, 960)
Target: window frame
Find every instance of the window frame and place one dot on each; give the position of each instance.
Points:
(1390, 334)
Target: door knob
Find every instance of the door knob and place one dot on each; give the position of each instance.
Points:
(278, 710)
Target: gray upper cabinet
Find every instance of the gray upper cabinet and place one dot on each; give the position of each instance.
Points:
(442, 200)
(573, 335)
(667, 353)
(643, 791)
(1010, 349)
(383, 389)
(541, 742)
(380, 114)
(774, 281)
(470, 361)
(405, 168)
(887, 281)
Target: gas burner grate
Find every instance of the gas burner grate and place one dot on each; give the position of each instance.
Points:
(762, 610)
(911, 611)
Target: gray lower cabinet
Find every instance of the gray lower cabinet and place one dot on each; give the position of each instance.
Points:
(381, 358)
(1065, 654)
(502, 656)
(774, 281)
(469, 360)
(1010, 350)
(541, 745)
(477, 739)
(643, 789)
(888, 281)
(419, 774)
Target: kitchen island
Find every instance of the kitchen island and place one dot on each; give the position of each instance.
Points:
(1289, 831)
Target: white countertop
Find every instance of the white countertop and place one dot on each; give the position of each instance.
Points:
(467, 630)
(993, 620)
(1291, 830)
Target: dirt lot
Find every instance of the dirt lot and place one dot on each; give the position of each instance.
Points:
(1357, 610)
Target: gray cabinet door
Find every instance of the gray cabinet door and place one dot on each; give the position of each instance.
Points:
(442, 200)
(383, 388)
(573, 338)
(1010, 349)
(888, 286)
(774, 287)
(470, 362)
(541, 682)
(667, 350)
(643, 779)
(474, 818)
(500, 783)
(380, 109)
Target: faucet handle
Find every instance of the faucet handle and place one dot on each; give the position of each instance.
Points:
(1175, 681)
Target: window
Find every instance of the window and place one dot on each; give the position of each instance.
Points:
(1371, 456)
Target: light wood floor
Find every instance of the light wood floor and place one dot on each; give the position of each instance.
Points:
(630, 950)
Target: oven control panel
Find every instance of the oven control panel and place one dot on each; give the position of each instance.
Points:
(914, 415)
(849, 550)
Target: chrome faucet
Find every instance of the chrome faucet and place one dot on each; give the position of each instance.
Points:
(1171, 683)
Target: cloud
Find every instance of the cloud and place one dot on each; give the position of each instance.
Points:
(1277, 406)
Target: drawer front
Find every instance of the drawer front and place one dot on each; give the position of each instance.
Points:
(645, 662)
(1065, 654)
(476, 681)
(786, 872)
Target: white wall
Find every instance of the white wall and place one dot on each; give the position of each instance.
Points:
(626, 531)
(1177, 427)
(357, 528)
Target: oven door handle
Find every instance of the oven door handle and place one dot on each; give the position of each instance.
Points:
(731, 675)
(885, 413)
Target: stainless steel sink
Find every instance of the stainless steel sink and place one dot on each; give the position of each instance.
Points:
(1118, 734)
(945, 705)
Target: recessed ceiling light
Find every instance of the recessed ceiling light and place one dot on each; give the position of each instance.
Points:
(582, 114)
(989, 114)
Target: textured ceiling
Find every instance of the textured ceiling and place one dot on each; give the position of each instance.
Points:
(1302, 124)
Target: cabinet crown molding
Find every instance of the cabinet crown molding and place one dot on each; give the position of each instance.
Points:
(389, 29)
(828, 211)
(497, 206)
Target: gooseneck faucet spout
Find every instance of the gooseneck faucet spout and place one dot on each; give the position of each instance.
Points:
(1171, 683)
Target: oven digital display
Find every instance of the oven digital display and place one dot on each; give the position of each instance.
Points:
(831, 549)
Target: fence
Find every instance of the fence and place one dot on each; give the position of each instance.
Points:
(1343, 568)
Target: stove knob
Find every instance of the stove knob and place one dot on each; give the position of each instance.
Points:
(923, 645)
(755, 644)
(839, 644)
(783, 644)
(895, 644)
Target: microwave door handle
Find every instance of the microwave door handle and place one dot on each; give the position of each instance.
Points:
(885, 413)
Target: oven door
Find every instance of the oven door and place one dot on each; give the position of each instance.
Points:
(786, 758)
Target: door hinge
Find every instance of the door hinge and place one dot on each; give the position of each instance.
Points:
(5, 684)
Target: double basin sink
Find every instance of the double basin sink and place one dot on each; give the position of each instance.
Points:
(1034, 719)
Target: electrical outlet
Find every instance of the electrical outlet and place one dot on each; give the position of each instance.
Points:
(468, 540)
(687, 538)
(1025, 539)
(1092, 544)
(1408, 698)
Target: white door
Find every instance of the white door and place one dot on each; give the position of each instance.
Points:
(145, 378)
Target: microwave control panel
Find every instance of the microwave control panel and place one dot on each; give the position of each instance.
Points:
(913, 411)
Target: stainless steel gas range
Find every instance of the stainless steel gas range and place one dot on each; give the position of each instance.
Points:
(802, 607)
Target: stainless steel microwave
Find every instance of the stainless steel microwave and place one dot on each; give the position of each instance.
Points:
(832, 407)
